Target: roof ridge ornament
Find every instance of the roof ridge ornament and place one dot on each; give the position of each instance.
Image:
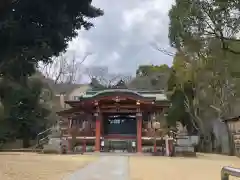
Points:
(120, 85)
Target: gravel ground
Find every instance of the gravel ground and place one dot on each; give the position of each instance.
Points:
(31, 166)
(176, 168)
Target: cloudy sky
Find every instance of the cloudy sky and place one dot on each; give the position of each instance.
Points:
(121, 39)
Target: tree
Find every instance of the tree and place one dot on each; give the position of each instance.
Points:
(179, 92)
(164, 51)
(24, 111)
(64, 68)
(148, 70)
(150, 77)
(34, 31)
(213, 90)
(205, 34)
(195, 22)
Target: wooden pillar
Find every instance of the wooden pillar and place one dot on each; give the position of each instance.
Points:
(139, 132)
(84, 146)
(98, 132)
(69, 145)
(70, 148)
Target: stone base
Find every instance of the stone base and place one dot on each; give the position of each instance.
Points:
(157, 154)
(186, 154)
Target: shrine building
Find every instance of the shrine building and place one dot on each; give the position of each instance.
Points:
(112, 119)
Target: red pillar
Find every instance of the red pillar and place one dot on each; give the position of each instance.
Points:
(98, 133)
(69, 145)
(69, 134)
(139, 132)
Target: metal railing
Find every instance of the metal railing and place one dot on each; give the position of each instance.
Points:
(43, 136)
(229, 171)
(44, 132)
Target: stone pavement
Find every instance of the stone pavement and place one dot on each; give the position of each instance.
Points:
(106, 168)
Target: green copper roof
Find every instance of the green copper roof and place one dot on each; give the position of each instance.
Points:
(159, 95)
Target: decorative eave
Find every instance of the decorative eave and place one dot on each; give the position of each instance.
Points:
(66, 112)
(116, 95)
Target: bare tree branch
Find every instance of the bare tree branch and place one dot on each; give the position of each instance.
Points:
(64, 69)
(104, 77)
(162, 50)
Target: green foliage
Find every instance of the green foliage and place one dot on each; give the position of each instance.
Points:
(148, 70)
(205, 33)
(23, 111)
(179, 92)
(151, 77)
(33, 31)
(194, 23)
(177, 110)
(30, 32)
(172, 80)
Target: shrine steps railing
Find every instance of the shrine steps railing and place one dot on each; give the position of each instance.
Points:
(44, 136)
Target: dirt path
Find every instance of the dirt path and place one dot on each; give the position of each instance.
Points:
(106, 168)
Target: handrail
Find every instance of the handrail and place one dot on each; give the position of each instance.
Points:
(43, 139)
(44, 131)
(39, 135)
(229, 171)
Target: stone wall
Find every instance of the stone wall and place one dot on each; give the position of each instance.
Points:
(17, 144)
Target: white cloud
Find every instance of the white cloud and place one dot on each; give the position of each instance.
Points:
(133, 17)
(123, 35)
(79, 44)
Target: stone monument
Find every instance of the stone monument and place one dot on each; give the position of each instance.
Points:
(184, 144)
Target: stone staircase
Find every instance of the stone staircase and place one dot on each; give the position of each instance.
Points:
(50, 141)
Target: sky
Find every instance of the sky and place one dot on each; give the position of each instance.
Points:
(121, 39)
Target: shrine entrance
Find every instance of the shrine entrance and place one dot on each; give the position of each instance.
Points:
(119, 124)
(119, 132)
(111, 120)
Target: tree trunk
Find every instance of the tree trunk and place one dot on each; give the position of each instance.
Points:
(230, 141)
(26, 136)
(26, 142)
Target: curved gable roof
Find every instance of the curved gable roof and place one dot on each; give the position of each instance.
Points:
(117, 92)
(125, 91)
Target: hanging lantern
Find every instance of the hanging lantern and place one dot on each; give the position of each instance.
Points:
(138, 102)
(117, 99)
(95, 114)
(95, 103)
(154, 116)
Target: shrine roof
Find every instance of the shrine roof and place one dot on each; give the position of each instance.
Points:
(158, 95)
